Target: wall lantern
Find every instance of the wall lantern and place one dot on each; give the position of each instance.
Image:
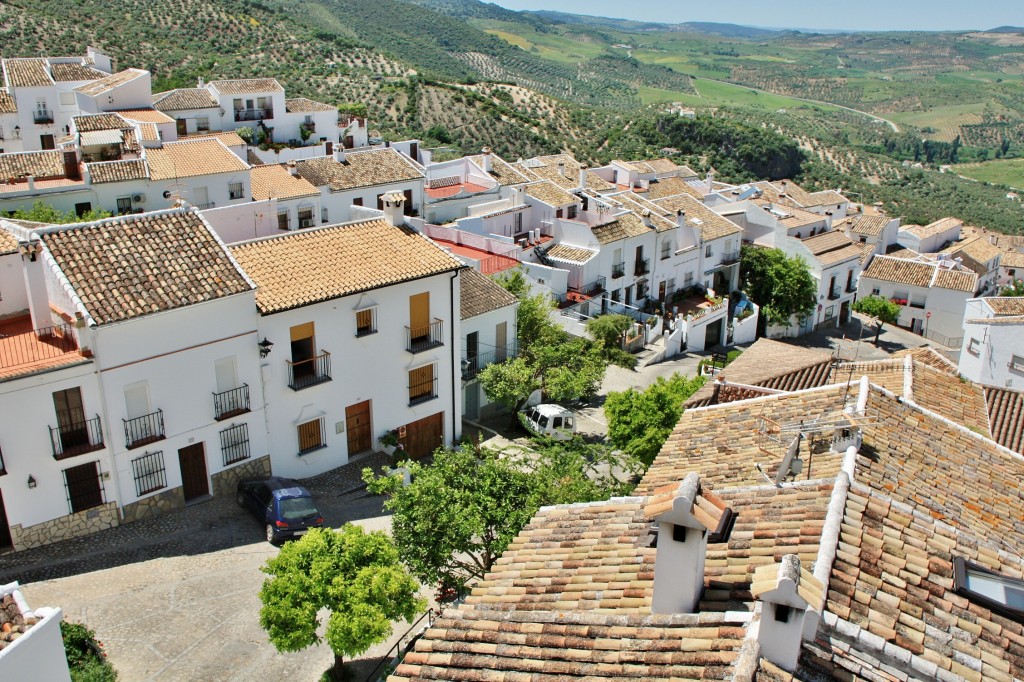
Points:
(31, 481)
(265, 347)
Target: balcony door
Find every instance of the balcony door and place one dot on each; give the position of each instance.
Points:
(419, 316)
(472, 351)
(70, 418)
(303, 351)
(201, 197)
(500, 341)
(227, 378)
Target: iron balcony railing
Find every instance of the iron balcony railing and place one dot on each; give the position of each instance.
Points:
(74, 437)
(143, 430)
(851, 288)
(835, 293)
(207, 205)
(422, 392)
(730, 257)
(592, 289)
(231, 403)
(419, 339)
(42, 116)
(37, 344)
(473, 364)
(257, 114)
(306, 373)
(641, 267)
(618, 270)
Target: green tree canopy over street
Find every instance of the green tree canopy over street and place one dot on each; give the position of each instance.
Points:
(781, 285)
(882, 310)
(44, 213)
(639, 422)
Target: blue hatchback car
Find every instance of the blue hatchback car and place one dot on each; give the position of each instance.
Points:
(286, 509)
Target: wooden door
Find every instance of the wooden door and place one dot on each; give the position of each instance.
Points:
(6, 541)
(419, 315)
(47, 142)
(408, 202)
(424, 436)
(360, 437)
(83, 484)
(194, 481)
(182, 127)
(70, 418)
(500, 341)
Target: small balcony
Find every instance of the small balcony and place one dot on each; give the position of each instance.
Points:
(422, 392)
(305, 373)
(149, 428)
(851, 288)
(618, 270)
(231, 403)
(641, 267)
(473, 364)
(835, 293)
(593, 289)
(75, 437)
(419, 339)
(23, 348)
(253, 114)
(730, 257)
(42, 116)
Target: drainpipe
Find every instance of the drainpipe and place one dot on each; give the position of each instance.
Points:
(455, 360)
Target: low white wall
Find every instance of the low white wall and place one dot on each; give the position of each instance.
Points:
(39, 653)
(745, 330)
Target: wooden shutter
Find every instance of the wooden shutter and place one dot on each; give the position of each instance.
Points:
(309, 435)
(419, 313)
(421, 382)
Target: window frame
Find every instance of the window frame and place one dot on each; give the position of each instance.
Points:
(962, 567)
(369, 329)
(236, 190)
(431, 392)
(1016, 363)
(321, 434)
(974, 347)
(156, 473)
(234, 439)
(202, 124)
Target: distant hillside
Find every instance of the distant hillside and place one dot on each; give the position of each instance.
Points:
(1006, 29)
(728, 30)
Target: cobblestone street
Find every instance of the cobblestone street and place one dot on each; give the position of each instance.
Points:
(176, 597)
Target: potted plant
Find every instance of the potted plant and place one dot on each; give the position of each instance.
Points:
(389, 441)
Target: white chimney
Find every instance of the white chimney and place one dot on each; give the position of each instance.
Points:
(681, 218)
(710, 179)
(583, 178)
(645, 216)
(486, 159)
(787, 592)
(686, 520)
(394, 205)
(201, 83)
(561, 168)
(293, 168)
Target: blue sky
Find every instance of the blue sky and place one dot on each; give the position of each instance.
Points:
(921, 15)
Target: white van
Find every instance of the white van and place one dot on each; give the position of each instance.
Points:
(553, 421)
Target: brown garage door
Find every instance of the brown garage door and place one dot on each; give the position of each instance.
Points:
(359, 437)
(424, 436)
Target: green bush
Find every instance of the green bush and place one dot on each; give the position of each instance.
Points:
(86, 658)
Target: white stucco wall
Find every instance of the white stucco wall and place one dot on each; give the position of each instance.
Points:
(339, 204)
(39, 653)
(13, 294)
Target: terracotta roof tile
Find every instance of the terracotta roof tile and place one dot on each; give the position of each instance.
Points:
(960, 400)
(941, 225)
(185, 98)
(977, 248)
(246, 86)
(298, 105)
(1010, 259)
(117, 171)
(69, 72)
(92, 122)
(189, 158)
(8, 242)
(131, 266)
(360, 169)
(1006, 305)
(48, 164)
(502, 171)
(670, 187)
(1006, 417)
(302, 268)
(712, 226)
(274, 181)
(230, 138)
(928, 356)
(7, 103)
(920, 273)
(107, 83)
(26, 73)
(549, 193)
(623, 227)
(867, 225)
(480, 294)
(145, 115)
(571, 254)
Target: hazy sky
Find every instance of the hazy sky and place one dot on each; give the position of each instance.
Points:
(922, 15)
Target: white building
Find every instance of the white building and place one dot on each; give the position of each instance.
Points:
(1011, 268)
(38, 651)
(488, 314)
(877, 231)
(930, 238)
(992, 352)
(981, 256)
(297, 201)
(364, 322)
(932, 293)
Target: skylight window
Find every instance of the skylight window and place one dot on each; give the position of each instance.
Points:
(986, 587)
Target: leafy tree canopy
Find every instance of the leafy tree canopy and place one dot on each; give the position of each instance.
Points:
(781, 285)
(882, 310)
(639, 422)
(354, 575)
(1015, 288)
(44, 213)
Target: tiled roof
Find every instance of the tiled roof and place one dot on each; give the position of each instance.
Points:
(1006, 305)
(947, 278)
(274, 181)
(480, 294)
(960, 401)
(127, 267)
(549, 193)
(889, 374)
(623, 227)
(867, 225)
(941, 225)
(149, 132)
(670, 187)
(189, 158)
(93, 122)
(712, 226)
(230, 138)
(360, 169)
(502, 171)
(298, 105)
(978, 249)
(8, 242)
(69, 72)
(107, 83)
(791, 216)
(117, 171)
(302, 268)
(48, 164)
(246, 86)
(928, 356)
(826, 241)
(546, 168)
(7, 103)
(919, 274)
(662, 219)
(1006, 417)
(185, 98)
(1010, 259)
(773, 365)
(26, 73)
(572, 254)
(145, 115)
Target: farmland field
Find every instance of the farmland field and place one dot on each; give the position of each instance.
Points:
(1000, 172)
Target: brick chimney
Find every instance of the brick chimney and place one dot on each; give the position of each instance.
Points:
(394, 205)
(789, 593)
(685, 520)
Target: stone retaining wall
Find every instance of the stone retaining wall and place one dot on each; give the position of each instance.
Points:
(226, 482)
(65, 527)
(153, 505)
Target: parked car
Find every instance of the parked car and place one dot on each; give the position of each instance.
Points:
(553, 421)
(286, 509)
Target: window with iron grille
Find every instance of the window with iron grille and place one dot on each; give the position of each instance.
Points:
(311, 436)
(236, 190)
(234, 443)
(366, 321)
(305, 217)
(284, 220)
(124, 205)
(149, 473)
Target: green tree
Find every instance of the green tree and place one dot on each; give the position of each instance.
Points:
(781, 285)
(1015, 288)
(44, 213)
(354, 575)
(608, 331)
(883, 311)
(639, 422)
(461, 512)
